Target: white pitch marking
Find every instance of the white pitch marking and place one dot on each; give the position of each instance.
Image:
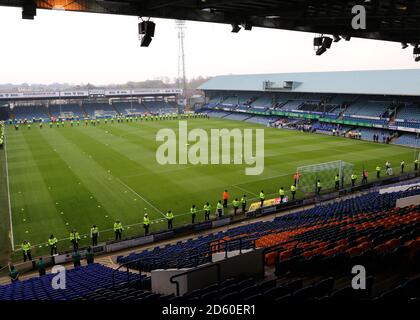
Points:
(133, 191)
(8, 198)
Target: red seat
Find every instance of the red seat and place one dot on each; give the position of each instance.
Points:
(364, 245)
(340, 248)
(392, 244)
(381, 248)
(329, 252)
(270, 258)
(285, 255)
(354, 251)
(342, 242)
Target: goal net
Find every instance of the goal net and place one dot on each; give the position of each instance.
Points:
(325, 172)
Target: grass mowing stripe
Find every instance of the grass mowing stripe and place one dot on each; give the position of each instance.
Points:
(135, 192)
(128, 151)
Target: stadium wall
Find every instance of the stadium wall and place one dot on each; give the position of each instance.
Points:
(252, 264)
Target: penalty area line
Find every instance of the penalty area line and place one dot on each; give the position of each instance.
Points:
(243, 189)
(137, 194)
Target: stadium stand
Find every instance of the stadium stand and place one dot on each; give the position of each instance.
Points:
(30, 112)
(263, 101)
(364, 120)
(159, 107)
(325, 127)
(238, 116)
(242, 108)
(218, 114)
(287, 228)
(311, 250)
(292, 105)
(366, 107)
(66, 110)
(99, 109)
(408, 124)
(261, 120)
(409, 112)
(367, 133)
(127, 108)
(4, 113)
(231, 101)
(79, 282)
(408, 139)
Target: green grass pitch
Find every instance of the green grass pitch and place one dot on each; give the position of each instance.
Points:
(73, 177)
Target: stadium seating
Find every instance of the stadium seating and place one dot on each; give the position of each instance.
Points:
(66, 110)
(327, 240)
(218, 114)
(317, 107)
(408, 124)
(340, 99)
(366, 106)
(216, 99)
(238, 116)
(325, 127)
(261, 120)
(79, 282)
(158, 107)
(335, 219)
(99, 109)
(408, 139)
(242, 108)
(30, 112)
(4, 113)
(291, 105)
(263, 101)
(233, 100)
(364, 120)
(409, 112)
(127, 108)
(367, 133)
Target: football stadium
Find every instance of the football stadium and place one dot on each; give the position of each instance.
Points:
(273, 188)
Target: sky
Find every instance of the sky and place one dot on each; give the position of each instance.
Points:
(81, 48)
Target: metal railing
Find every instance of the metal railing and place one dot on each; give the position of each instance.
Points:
(221, 245)
(126, 265)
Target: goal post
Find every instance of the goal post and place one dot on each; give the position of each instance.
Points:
(325, 172)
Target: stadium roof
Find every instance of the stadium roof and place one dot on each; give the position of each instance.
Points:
(392, 20)
(381, 82)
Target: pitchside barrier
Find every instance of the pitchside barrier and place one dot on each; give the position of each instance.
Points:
(274, 207)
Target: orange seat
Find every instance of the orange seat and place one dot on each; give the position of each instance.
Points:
(319, 251)
(342, 242)
(381, 248)
(414, 245)
(363, 239)
(270, 258)
(354, 251)
(392, 244)
(340, 248)
(308, 254)
(329, 252)
(364, 245)
(285, 255)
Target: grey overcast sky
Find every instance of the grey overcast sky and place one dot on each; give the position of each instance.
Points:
(103, 49)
